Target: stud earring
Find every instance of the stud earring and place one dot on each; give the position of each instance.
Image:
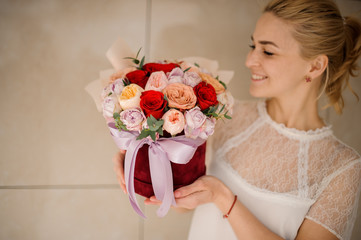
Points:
(308, 79)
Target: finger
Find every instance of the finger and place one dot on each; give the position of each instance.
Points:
(197, 186)
(152, 201)
(122, 185)
(118, 160)
(192, 200)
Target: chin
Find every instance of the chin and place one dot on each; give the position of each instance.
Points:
(256, 93)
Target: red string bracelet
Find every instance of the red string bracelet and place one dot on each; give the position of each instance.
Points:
(234, 202)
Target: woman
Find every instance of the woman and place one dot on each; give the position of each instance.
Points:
(278, 172)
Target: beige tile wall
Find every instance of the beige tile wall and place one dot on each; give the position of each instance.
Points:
(56, 174)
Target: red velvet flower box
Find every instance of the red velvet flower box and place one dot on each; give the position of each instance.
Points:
(183, 174)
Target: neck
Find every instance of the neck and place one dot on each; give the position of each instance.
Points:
(302, 115)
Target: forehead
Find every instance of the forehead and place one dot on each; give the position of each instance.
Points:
(274, 29)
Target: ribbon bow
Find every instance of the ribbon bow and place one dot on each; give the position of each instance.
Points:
(179, 149)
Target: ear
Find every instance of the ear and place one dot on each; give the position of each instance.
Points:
(318, 66)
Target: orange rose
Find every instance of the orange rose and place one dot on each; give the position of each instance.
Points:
(214, 82)
(180, 96)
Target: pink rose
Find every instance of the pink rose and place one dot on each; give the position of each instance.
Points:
(110, 106)
(117, 86)
(191, 79)
(175, 76)
(175, 79)
(176, 72)
(207, 128)
(132, 119)
(195, 118)
(173, 121)
(157, 81)
(180, 96)
(194, 121)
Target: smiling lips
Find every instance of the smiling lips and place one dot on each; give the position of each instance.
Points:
(256, 77)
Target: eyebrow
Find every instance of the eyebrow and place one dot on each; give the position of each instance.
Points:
(266, 42)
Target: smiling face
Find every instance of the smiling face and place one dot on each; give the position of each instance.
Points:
(277, 68)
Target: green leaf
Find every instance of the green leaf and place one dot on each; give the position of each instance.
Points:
(141, 63)
(228, 117)
(159, 123)
(196, 64)
(138, 52)
(110, 93)
(214, 114)
(160, 131)
(120, 125)
(136, 61)
(116, 115)
(222, 108)
(143, 134)
(126, 82)
(187, 69)
(153, 135)
(165, 98)
(224, 85)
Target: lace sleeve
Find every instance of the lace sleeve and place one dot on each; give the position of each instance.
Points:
(336, 206)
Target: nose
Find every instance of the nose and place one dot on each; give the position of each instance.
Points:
(252, 59)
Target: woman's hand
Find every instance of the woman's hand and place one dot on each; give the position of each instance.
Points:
(205, 189)
(118, 160)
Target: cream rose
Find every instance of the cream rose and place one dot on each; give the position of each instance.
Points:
(180, 96)
(214, 82)
(157, 81)
(130, 97)
(173, 121)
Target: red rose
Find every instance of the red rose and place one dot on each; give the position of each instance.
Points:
(138, 77)
(153, 103)
(155, 67)
(206, 95)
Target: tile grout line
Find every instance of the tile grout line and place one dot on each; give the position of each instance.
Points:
(148, 21)
(60, 186)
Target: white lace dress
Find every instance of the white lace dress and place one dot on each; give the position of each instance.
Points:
(281, 175)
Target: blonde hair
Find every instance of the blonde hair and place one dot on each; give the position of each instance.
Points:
(319, 28)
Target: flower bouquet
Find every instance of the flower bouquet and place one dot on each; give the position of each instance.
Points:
(162, 113)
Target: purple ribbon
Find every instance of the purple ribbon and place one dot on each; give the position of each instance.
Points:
(179, 149)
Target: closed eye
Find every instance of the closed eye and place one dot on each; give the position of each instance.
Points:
(268, 53)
